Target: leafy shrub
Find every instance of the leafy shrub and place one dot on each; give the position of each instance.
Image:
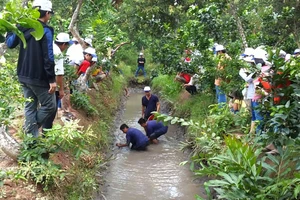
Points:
(240, 173)
(33, 157)
(82, 101)
(168, 87)
(10, 92)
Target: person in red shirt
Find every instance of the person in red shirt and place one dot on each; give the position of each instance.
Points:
(89, 53)
(183, 77)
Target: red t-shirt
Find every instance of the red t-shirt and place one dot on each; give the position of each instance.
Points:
(83, 67)
(187, 77)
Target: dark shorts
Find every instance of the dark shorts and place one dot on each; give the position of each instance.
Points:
(156, 135)
(140, 148)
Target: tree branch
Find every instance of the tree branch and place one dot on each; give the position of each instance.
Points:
(72, 28)
(8, 144)
(118, 46)
(239, 24)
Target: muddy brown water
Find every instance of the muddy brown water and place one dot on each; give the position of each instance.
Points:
(155, 174)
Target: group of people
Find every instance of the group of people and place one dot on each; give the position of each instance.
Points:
(153, 128)
(256, 84)
(188, 81)
(41, 69)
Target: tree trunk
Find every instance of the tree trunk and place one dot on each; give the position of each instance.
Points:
(239, 24)
(72, 28)
(8, 144)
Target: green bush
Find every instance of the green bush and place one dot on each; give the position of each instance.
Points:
(82, 101)
(168, 88)
(241, 173)
(33, 158)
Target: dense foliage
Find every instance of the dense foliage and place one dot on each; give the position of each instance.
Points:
(164, 29)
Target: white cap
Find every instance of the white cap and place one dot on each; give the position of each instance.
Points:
(147, 89)
(260, 53)
(220, 47)
(141, 54)
(63, 37)
(108, 39)
(89, 41)
(215, 44)
(95, 59)
(91, 51)
(282, 54)
(248, 52)
(44, 5)
(297, 51)
(287, 57)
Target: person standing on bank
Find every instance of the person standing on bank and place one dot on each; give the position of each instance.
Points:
(153, 129)
(134, 136)
(150, 103)
(61, 43)
(141, 64)
(35, 70)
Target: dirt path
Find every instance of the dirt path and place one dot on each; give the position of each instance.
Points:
(155, 174)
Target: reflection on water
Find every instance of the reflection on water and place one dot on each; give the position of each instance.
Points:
(154, 174)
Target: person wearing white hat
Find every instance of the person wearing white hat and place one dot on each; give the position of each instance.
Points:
(61, 43)
(141, 64)
(248, 74)
(262, 87)
(35, 70)
(221, 53)
(150, 103)
(297, 52)
(75, 53)
(89, 54)
(88, 42)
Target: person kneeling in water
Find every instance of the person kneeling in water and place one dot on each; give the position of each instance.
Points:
(153, 129)
(134, 136)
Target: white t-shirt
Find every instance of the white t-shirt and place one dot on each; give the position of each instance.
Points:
(59, 60)
(244, 73)
(75, 54)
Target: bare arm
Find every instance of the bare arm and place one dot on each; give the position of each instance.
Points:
(157, 106)
(60, 83)
(121, 145)
(143, 111)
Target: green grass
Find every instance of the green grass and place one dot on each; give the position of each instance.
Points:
(196, 107)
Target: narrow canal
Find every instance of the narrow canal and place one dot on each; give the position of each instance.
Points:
(154, 174)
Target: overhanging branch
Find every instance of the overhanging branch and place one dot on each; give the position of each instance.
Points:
(72, 28)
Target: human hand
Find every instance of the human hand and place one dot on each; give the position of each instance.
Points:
(118, 144)
(52, 88)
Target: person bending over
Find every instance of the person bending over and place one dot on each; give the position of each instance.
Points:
(153, 129)
(134, 136)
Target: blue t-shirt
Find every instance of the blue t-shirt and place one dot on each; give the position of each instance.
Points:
(136, 138)
(157, 127)
(149, 104)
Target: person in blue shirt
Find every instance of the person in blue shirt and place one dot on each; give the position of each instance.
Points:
(35, 70)
(150, 103)
(153, 129)
(134, 136)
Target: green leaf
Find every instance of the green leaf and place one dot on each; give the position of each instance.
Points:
(297, 191)
(185, 124)
(217, 183)
(10, 27)
(174, 120)
(36, 25)
(268, 167)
